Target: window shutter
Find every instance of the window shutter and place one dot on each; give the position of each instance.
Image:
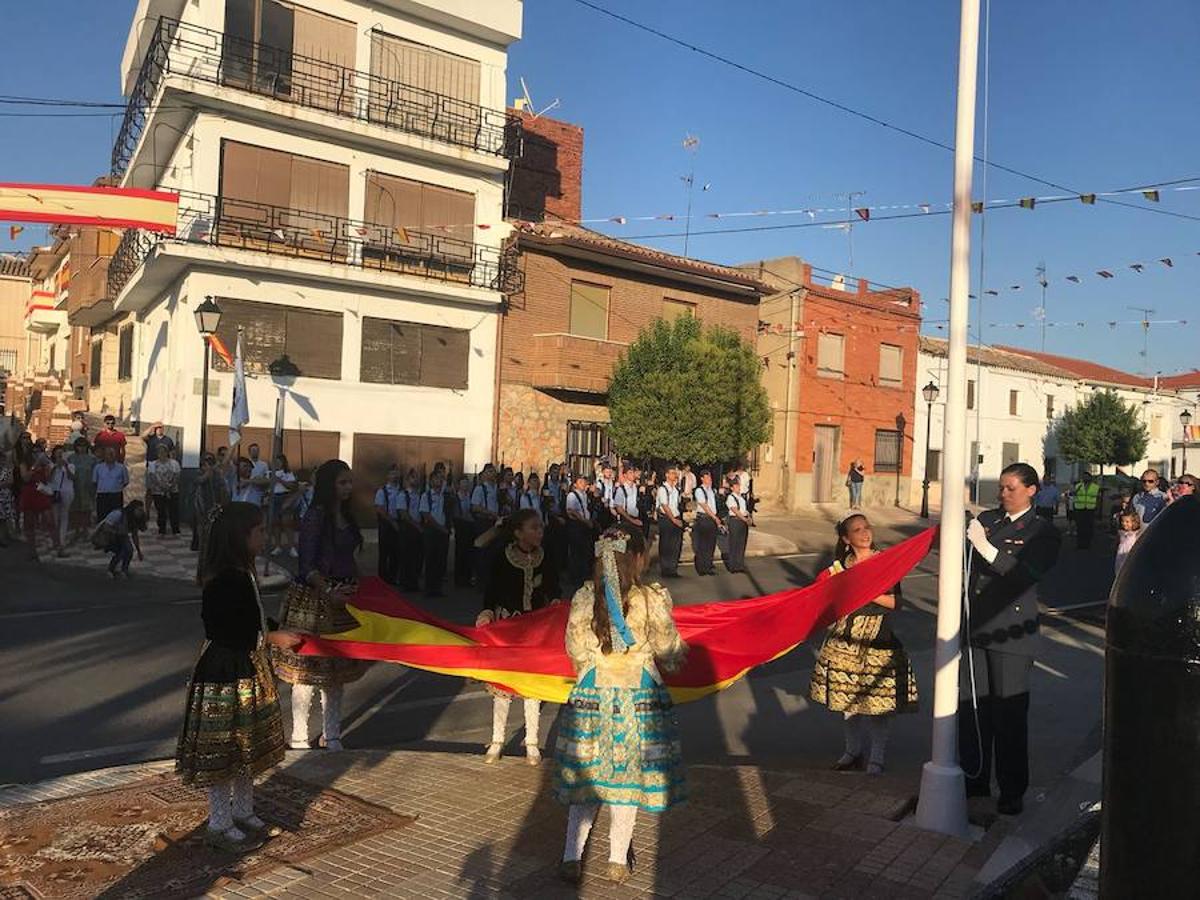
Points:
(830, 348)
(376, 361)
(890, 364)
(406, 353)
(589, 310)
(445, 353)
(314, 342)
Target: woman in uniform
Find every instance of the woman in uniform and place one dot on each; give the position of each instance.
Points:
(316, 604)
(522, 580)
(738, 524)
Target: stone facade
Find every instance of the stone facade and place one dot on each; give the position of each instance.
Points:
(533, 426)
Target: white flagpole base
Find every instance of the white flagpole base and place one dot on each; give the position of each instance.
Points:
(942, 805)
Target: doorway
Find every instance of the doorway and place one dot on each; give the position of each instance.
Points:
(825, 461)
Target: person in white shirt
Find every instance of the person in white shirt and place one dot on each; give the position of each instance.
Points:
(580, 553)
(625, 498)
(387, 505)
(109, 479)
(249, 490)
(162, 484)
(738, 523)
(485, 510)
(412, 548)
(531, 497)
(670, 525)
(706, 525)
(62, 482)
(434, 509)
(687, 486)
(605, 485)
(284, 495)
(259, 470)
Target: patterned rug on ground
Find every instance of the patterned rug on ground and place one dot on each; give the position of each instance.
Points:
(146, 840)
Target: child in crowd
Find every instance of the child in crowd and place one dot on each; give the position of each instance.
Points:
(117, 534)
(1130, 529)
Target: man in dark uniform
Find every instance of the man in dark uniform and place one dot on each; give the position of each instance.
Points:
(670, 524)
(412, 551)
(581, 554)
(387, 500)
(1012, 549)
(435, 531)
(706, 524)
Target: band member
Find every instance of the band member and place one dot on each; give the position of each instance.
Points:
(435, 524)
(531, 497)
(408, 515)
(485, 510)
(605, 485)
(738, 523)
(625, 498)
(387, 504)
(1012, 549)
(670, 525)
(706, 525)
(579, 532)
(556, 522)
(522, 581)
(464, 533)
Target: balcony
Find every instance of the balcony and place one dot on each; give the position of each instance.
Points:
(43, 319)
(211, 57)
(89, 302)
(276, 231)
(568, 362)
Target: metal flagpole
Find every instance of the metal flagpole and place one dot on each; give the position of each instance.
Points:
(943, 802)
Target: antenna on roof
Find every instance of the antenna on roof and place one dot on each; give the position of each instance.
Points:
(525, 103)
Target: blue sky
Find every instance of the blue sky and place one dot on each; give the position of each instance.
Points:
(1093, 102)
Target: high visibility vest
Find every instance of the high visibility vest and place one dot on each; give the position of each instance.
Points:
(1086, 495)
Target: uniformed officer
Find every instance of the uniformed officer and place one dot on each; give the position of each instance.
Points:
(625, 498)
(1012, 549)
(411, 543)
(485, 510)
(555, 520)
(531, 497)
(1086, 500)
(435, 526)
(670, 524)
(706, 524)
(738, 523)
(580, 534)
(605, 485)
(387, 502)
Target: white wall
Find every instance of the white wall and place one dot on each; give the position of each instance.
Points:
(170, 364)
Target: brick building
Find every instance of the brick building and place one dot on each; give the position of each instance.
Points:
(840, 365)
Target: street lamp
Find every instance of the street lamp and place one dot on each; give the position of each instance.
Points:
(208, 317)
(930, 393)
(1185, 419)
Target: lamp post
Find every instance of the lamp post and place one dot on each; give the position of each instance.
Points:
(208, 317)
(901, 422)
(930, 393)
(1185, 419)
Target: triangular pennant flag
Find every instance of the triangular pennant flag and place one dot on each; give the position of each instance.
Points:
(1137, 267)
(1074, 278)
(812, 213)
(316, 233)
(13, 231)
(278, 232)
(402, 234)
(666, 217)
(1166, 261)
(924, 207)
(977, 206)
(483, 226)
(1089, 199)
(1152, 196)
(1015, 287)
(992, 293)
(713, 216)
(360, 231)
(1043, 282)
(863, 213)
(619, 220)
(1028, 202)
(1104, 273)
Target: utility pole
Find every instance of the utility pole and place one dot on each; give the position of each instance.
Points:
(850, 225)
(691, 144)
(942, 805)
(1145, 323)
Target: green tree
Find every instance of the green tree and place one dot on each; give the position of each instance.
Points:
(1103, 430)
(685, 392)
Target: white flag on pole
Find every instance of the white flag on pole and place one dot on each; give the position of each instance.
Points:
(239, 411)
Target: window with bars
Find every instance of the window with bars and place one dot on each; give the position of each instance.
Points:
(311, 340)
(587, 442)
(589, 310)
(891, 365)
(125, 352)
(411, 353)
(887, 450)
(831, 349)
(8, 361)
(97, 362)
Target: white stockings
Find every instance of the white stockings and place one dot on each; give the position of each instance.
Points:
(581, 817)
(331, 712)
(876, 728)
(533, 712)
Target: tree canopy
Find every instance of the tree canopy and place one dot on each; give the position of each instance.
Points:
(688, 393)
(1103, 430)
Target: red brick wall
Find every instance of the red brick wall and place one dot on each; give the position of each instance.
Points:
(634, 302)
(857, 402)
(546, 181)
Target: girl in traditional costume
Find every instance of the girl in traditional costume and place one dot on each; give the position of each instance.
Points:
(522, 580)
(618, 743)
(316, 604)
(232, 729)
(862, 670)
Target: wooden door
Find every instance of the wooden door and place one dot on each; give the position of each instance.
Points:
(374, 454)
(825, 462)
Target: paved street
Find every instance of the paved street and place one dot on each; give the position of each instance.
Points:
(92, 673)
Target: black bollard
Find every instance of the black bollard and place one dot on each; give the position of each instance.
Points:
(1150, 824)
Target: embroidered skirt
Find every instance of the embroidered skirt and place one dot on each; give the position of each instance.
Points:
(863, 677)
(230, 728)
(307, 611)
(619, 746)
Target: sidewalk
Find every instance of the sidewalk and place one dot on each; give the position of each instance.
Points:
(495, 831)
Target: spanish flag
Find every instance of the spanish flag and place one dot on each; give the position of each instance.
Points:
(79, 205)
(526, 654)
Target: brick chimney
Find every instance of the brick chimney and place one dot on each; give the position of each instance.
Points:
(546, 182)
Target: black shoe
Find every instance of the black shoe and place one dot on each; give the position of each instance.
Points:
(978, 790)
(848, 763)
(1009, 806)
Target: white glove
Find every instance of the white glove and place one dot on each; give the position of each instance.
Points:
(977, 535)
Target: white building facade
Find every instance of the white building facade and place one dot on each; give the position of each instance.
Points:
(1013, 401)
(340, 173)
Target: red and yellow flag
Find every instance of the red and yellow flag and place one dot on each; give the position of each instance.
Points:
(222, 351)
(526, 654)
(74, 204)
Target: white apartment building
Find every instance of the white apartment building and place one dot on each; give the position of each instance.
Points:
(340, 169)
(1013, 399)
(1185, 440)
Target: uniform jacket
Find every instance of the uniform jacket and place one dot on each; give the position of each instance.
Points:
(1003, 594)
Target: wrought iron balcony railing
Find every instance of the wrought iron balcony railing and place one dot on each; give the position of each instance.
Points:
(217, 58)
(251, 225)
